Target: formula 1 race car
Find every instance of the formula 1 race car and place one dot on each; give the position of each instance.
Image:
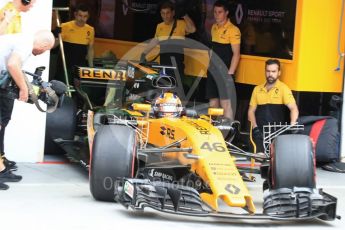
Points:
(166, 157)
(182, 165)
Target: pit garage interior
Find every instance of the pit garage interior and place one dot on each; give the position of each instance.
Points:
(307, 36)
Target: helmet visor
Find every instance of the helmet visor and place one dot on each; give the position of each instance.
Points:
(169, 108)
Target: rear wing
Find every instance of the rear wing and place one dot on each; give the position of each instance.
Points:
(99, 77)
(132, 75)
(133, 70)
(88, 73)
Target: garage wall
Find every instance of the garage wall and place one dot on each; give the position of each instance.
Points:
(24, 140)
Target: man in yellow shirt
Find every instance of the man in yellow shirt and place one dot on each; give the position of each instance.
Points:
(78, 38)
(224, 59)
(10, 18)
(169, 35)
(269, 103)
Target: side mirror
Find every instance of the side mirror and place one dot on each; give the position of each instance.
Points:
(215, 112)
(142, 107)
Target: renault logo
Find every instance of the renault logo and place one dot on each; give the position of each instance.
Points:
(163, 129)
(125, 7)
(232, 189)
(239, 14)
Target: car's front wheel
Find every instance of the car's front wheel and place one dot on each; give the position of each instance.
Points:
(113, 156)
(292, 162)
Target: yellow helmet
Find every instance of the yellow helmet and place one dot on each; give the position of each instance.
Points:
(167, 105)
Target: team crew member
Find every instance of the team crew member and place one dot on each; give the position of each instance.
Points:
(10, 18)
(78, 39)
(170, 35)
(269, 103)
(15, 49)
(226, 39)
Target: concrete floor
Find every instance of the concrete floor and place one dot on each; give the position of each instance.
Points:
(56, 196)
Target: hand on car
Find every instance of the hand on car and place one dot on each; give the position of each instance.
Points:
(294, 129)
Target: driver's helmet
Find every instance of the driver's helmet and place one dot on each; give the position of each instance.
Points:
(167, 105)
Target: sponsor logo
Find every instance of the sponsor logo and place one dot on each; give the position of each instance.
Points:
(161, 175)
(129, 189)
(202, 130)
(232, 189)
(138, 6)
(102, 74)
(130, 71)
(124, 7)
(167, 132)
(239, 14)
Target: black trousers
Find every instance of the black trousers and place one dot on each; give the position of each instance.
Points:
(6, 108)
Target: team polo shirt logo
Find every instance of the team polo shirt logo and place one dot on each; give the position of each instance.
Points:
(275, 95)
(226, 34)
(223, 36)
(267, 97)
(72, 33)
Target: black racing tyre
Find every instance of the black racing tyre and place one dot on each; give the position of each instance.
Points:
(60, 124)
(292, 162)
(113, 155)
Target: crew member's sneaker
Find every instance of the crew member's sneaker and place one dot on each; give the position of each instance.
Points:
(11, 165)
(3, 186)
(7, 176)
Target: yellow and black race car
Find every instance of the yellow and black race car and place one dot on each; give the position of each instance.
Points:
(163, 156)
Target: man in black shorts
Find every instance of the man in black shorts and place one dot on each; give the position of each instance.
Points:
(224, 59)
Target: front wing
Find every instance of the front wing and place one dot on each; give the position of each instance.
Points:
(139, 194)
